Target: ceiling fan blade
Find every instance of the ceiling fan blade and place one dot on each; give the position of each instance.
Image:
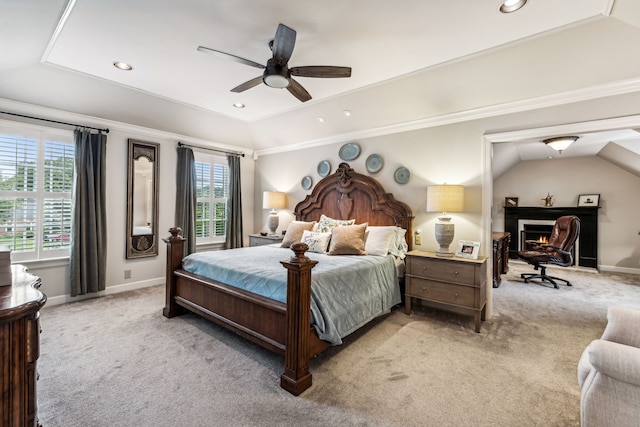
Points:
(247, 85)
(298, 91)
(231, 57)
(283, 44)
(321, 71)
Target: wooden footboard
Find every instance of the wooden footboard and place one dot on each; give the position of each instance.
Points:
(282, 328)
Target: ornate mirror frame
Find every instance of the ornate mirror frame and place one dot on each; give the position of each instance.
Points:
(142, 199)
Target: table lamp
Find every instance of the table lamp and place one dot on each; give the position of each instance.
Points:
(273, 200)
(445, 198)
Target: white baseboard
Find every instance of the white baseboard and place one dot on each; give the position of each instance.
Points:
(616, 269)
(115, 289)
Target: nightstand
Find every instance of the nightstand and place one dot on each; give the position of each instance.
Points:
(455, 282)
(259, 240)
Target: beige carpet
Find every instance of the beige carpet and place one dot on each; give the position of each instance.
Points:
(115, 361)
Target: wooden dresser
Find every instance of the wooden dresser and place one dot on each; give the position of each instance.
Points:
(458, 283)
(501, 241)
(20, 306)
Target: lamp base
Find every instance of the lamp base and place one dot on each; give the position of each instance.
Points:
(273, 222)
(444, 236)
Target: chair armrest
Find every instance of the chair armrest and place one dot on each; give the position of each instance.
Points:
(614, 360)
(623, 326)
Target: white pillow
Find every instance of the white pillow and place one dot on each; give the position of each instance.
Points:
(400, 247)
(326, 224)
(379, 240)
(317, 242)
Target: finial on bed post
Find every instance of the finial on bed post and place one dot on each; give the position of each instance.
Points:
(296, 377)
(175, 251)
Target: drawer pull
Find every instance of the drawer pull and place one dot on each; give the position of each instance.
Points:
(424, 288)
(424, 268)
(455, 273)
(455, 295)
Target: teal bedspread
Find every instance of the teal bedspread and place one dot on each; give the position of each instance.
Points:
(347, 291)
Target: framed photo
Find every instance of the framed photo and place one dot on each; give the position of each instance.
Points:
(468, 249)
(510, 202)
(589, 200)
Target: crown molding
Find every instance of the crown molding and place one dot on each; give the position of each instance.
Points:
(621, 87)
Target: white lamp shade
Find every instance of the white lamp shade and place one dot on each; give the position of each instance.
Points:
(445, 198)
(274, 200)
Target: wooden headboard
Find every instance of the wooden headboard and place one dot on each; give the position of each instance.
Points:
(348, 194)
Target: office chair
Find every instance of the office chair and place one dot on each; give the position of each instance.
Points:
(556, 252)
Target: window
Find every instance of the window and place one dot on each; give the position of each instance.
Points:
(36, 181)
(212, 192)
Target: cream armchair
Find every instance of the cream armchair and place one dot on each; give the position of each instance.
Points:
(609, 373)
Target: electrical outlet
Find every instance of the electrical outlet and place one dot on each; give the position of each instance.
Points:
(418, 239)
(127, 274)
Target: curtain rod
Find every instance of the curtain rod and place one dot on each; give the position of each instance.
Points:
(232, 153)
(54, 121)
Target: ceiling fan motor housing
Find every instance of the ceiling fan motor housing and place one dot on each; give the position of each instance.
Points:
(276, 75)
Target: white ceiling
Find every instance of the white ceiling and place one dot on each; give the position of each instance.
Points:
(412, 60)
(381, 40)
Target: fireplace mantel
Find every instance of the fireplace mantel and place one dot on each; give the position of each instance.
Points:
(588, 241)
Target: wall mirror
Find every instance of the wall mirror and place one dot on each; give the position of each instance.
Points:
(142, 199)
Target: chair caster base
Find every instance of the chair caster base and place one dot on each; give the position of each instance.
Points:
(543, 278)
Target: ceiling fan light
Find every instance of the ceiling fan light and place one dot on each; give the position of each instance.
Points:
(560, 143)
(276, 80)
(509, 6)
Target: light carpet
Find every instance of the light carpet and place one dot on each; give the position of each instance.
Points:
(116, 361)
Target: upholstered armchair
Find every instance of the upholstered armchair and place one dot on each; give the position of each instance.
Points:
(558, 250)
(609, 373)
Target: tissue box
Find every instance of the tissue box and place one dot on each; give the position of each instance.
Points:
(5, 265)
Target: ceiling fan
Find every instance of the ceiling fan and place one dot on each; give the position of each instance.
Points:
(276, 73)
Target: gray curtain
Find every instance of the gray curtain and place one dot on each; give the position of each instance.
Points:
(88, 259)
(186, 198)
(234, 205)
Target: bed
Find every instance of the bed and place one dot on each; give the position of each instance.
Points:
(284, 326)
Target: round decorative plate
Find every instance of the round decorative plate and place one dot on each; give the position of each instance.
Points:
(306, 182)
(374, 163)
(402, 175)
(349, 151)
(324, 167)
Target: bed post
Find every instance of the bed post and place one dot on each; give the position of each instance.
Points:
(175, 245)
(296, 377)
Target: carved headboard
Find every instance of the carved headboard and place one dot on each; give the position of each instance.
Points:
(347, 194)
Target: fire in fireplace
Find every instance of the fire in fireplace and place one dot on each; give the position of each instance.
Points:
(538, 233)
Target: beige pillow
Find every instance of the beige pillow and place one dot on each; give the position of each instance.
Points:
(348, 240)
(294, 232)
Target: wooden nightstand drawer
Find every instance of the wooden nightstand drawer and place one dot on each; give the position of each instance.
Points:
(447, 270)
(443, 292)
(259, 240)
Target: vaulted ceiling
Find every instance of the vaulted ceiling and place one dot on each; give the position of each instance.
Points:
(412, 60)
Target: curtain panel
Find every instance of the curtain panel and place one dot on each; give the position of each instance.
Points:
(88, 258)
(186, 198)
(234, 205)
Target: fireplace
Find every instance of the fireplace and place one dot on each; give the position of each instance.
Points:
(539, 218)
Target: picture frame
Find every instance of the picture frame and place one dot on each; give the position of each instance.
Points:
(589, 200)
(510, 202)
(468, 249)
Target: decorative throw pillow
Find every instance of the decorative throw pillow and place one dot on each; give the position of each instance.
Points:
(317, 242)
(294, 232)
(348, 240)
(399, 246)
(326, 224)
(379, 240)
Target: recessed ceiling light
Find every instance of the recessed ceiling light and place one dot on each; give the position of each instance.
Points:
(347, 113)
(238, 104)
(320, 119)
(509, 6)
(122, 66)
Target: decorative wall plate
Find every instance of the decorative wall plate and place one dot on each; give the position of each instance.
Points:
(324, 168)
(349, 151)
(374, 163)
(402, 175)
(306, 182)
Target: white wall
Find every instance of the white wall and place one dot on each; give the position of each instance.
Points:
(145, 271)
(565, 179)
